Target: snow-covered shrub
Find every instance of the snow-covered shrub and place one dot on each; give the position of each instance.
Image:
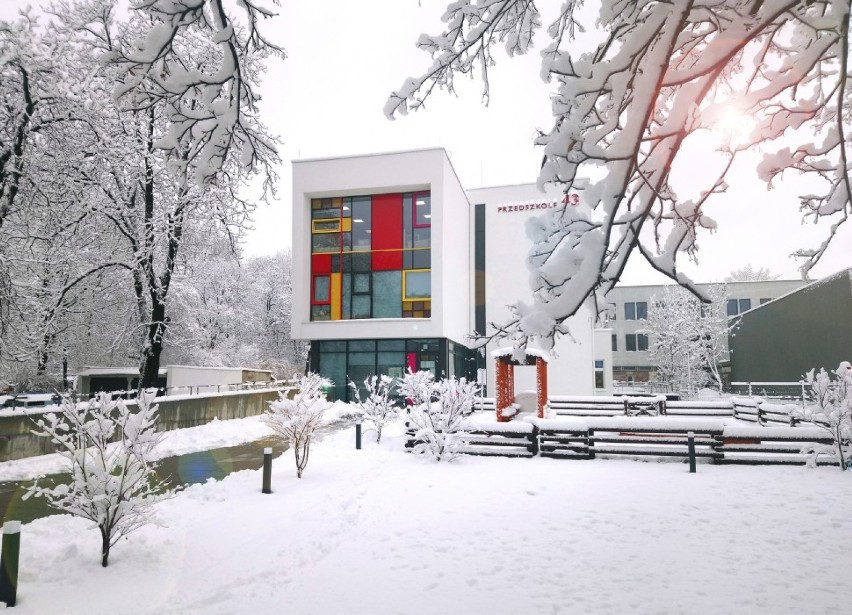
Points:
(297, 420)
(437, 413)
(831, 410)
(113, 476)
(377, 408)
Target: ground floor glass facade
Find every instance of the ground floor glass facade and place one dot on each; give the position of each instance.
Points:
(355, 360)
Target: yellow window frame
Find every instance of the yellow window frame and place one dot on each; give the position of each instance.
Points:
(316, 231)
(405, 296)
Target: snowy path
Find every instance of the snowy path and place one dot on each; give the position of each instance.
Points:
(378, 531)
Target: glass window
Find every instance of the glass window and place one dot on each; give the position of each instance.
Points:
(322, 289)
(732, 307)
(362, 283)
(421, 237)
(642, 341)
(630, 311)
(387, 294)
(361, 262)
(332, 365)
(417, 284)
(765, 300)
(361, 223)
(361, 366)
(362, 345)
(422, 209)
(614, 342)
(391, 363)
(331, 225)
(599, 379)
(331, 346)
(361, 306)
(421, 259)
(325, 242)
(630, 342)
(320, 312)
(641, 310)
(745, 305)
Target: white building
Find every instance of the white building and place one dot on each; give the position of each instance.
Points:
(630, 305)
(396, 267)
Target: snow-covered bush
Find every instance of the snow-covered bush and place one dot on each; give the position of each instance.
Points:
(297, 420)
(378, 407)
(437, 413)
(113, 476)
(831, 410)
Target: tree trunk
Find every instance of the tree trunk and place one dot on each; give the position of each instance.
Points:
(104, 548)
(150, 369)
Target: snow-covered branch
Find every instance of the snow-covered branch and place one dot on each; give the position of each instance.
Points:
(623, 109)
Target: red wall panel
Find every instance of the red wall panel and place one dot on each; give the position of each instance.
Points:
(387, 231)
(320, 263)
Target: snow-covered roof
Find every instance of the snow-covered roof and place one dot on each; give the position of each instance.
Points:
(220, 367)
(518, 353)
(112, 371)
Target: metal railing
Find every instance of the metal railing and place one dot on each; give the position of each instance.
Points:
(197, 389)
(773, 390)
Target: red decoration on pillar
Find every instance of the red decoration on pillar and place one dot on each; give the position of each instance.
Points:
(501, 368)
(541, 385)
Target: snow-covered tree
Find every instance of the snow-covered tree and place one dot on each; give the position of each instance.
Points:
(378, 407)
(297, 420)
(624, 107)
(748, 273)
(687, 338)
(179, 140)
(109, 447)
(147, 128)
(832, 410)
(437, 412)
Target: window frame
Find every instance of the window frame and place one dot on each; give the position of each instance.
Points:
(314, 300)
(405, 296)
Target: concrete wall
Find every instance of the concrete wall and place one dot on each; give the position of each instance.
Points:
(570, 370)
(784, 339)
(452, 231)
(17, 440)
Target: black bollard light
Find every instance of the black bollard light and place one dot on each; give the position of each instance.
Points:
(690, 440)
(358, 435)
(9, 555)
(267, 470)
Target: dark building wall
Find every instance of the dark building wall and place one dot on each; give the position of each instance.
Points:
(784, 339)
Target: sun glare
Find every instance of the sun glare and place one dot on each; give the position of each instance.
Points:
(733, 129)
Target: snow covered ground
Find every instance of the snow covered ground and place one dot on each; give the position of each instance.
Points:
(380, 531)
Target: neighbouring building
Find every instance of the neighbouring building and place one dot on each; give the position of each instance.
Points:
(808, 328)
(396, 267)
(630, 305)
(175, 379)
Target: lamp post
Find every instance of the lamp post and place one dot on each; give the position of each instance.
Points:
(65, 368)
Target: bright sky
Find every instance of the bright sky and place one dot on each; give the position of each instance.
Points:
(344, 58)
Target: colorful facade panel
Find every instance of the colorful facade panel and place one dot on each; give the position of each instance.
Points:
(371, 257)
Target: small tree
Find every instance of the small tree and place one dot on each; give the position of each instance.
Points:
(297, 420)
(437, 413)
(113, 475)
(378, 407)
(831, 410)
(748, 273)
(688, 338)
